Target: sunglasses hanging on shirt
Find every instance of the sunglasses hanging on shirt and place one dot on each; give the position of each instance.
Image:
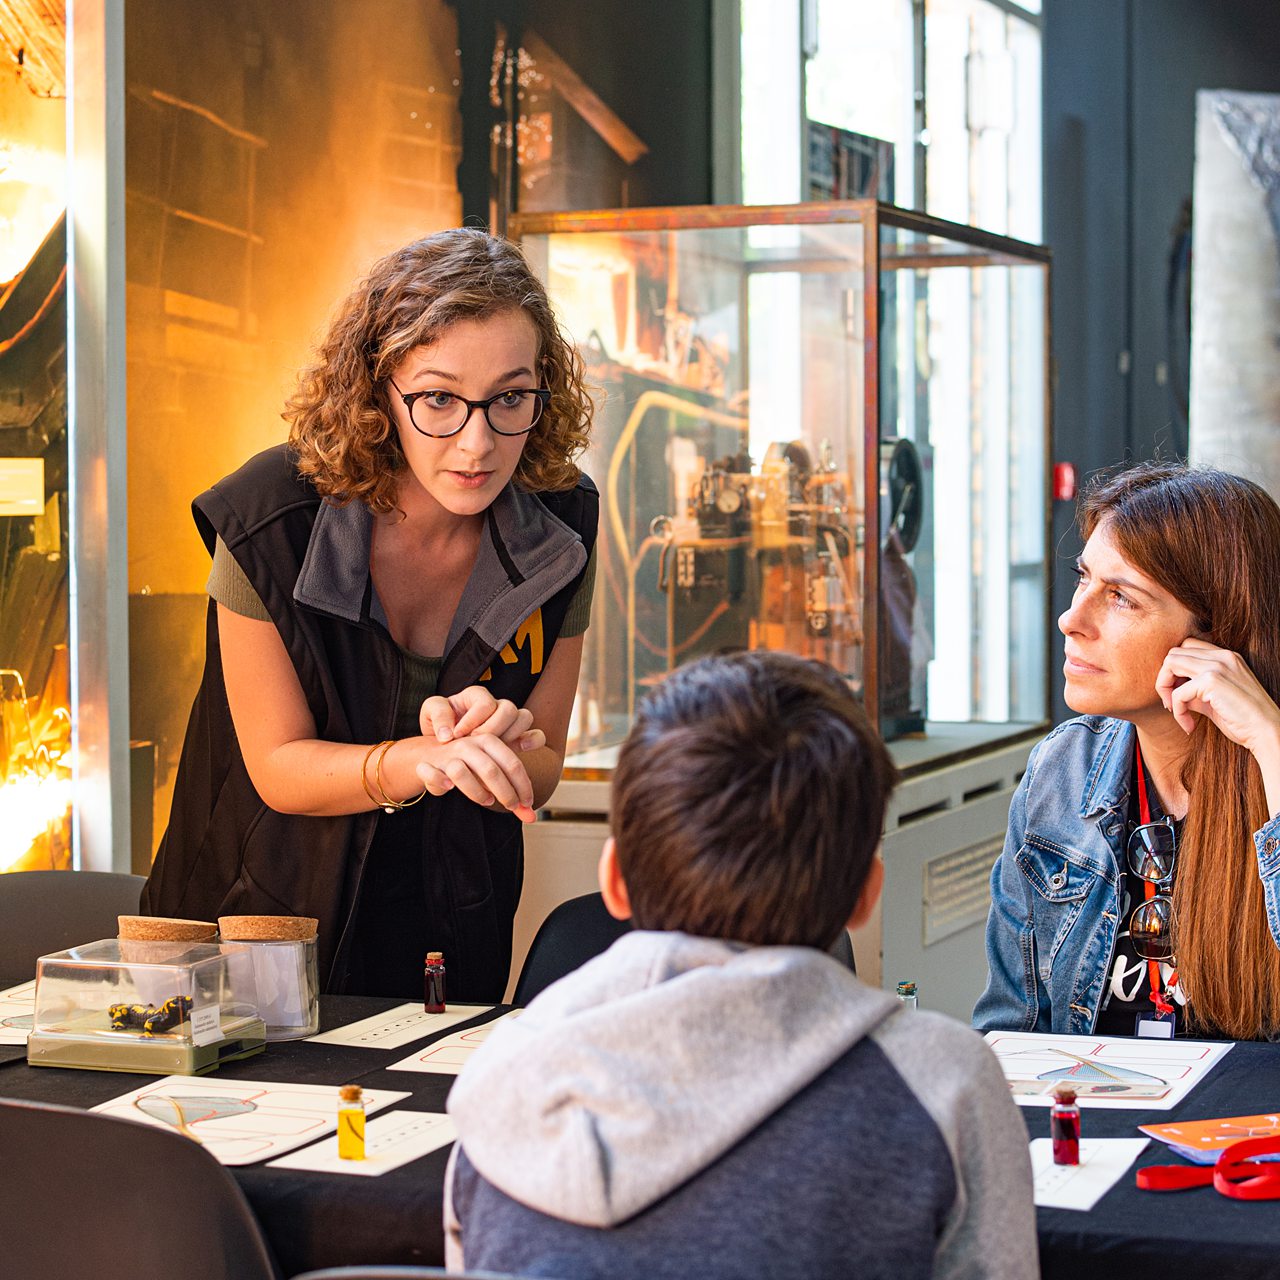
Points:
(1153, 847)
(1152, 855)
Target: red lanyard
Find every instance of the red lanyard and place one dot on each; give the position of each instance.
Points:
(1149, 890)
(1236, 1173)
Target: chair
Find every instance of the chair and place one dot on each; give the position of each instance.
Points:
(575, 932)
(93, 1195)
(843, 951)
(580, 929)
(44, 911)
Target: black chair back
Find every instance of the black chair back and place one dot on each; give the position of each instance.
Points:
(137, 1203)
(843, 951)
(579, 930)
(575, 932)
(45, 911)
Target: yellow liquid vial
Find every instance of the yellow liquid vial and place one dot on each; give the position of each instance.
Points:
(351, 1134)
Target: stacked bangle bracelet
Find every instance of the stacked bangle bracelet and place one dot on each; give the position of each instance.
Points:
(382, 800)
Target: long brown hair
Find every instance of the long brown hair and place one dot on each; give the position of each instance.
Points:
(341, 425)
(1212, 540)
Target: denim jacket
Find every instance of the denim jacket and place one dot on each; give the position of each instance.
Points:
(1055, 889)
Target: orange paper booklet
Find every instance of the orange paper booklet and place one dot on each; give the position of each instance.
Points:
(1202, 1140)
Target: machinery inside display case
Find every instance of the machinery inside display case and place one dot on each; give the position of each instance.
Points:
(820, 428)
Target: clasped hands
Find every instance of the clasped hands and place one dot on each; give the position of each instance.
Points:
(472, 741)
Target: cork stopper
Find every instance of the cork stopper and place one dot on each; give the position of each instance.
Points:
(267, 928)
(165, 929)
(437, 956)
(350, 1092)
(1064, 1094)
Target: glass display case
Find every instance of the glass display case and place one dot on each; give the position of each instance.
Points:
(820, 428)
(163, 1008)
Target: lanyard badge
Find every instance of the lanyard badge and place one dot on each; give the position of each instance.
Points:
(1156, 1024)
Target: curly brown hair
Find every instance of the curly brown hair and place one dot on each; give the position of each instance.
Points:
(341, 427)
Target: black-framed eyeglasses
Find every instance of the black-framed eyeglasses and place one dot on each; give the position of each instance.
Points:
(1153, 853)
(438, 414)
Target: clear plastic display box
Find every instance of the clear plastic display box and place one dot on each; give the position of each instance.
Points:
(824, 430)
(163, 1008)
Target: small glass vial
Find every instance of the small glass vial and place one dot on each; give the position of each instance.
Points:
(350, 1122)
(907, 994)
(433, 982)
(1064, 1126)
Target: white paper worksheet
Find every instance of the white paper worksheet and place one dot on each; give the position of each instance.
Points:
(1117, 1072)
(1103, 1162)
(17, 1008)
(399, 1026)
(391, 1139)
(241, 1121)
(448, 1056)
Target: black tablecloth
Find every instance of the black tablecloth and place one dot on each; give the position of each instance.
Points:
(311, 1219)
(1180, 1235)
(319, 1220)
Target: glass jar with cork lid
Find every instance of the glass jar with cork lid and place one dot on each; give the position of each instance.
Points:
(286, 967)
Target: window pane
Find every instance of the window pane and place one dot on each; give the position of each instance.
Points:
(860, 78)
(983, 96)
(35, 723)
(968, 391)
(770, 102)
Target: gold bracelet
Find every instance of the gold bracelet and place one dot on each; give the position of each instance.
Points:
(389, 805)
(364, 774)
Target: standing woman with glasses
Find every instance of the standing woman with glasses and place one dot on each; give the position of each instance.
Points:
(398, 598)
(1139, 887)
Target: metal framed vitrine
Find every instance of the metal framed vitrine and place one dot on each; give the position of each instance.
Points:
(821, 428)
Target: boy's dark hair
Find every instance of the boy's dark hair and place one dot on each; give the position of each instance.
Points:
(749, 800)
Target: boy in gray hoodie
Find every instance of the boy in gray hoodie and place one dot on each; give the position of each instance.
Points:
(716, 1096)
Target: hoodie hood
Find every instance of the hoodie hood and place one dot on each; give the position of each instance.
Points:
(622, 1081)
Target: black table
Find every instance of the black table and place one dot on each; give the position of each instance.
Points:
(1179, 1235)
(311, 1219)
(317, 1220)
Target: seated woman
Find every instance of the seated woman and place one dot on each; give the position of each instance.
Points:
(1139, 886)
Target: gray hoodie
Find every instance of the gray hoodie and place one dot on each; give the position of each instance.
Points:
(683, 1106)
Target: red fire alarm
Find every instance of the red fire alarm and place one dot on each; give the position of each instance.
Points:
(1064, 481)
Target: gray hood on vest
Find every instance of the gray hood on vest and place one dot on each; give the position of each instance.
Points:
(625, 1079)
(527, 556)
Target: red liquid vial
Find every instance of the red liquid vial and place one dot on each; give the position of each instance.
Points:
(433, 982)
(1064, 1126)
